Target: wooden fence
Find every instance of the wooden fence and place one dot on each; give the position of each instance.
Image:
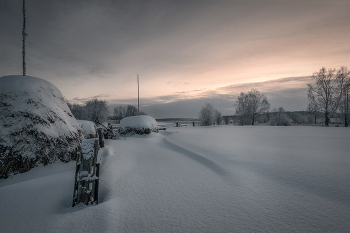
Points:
(87, 173)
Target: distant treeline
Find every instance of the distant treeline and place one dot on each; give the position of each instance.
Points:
(287, 118)
(90, 110)
(328, 99)
(176, 119)
(94, 108)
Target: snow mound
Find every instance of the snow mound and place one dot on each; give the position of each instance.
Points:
(36, 125)
(139, 124)
(89, 129)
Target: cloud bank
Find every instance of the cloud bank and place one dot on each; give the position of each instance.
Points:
(289, 93)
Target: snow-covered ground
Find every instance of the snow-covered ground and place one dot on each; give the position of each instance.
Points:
(196, 179)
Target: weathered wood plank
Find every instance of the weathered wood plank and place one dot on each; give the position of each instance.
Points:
(86, 177)
(101, 137)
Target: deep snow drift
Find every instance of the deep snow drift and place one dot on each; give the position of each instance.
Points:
(36, 125)
(196, 179)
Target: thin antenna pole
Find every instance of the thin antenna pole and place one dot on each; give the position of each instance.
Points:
(347, 105)
(24, 34)
(138, 95)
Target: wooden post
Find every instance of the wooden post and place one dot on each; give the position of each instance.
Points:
(138, 95)
(24, 35)
(77, 166)
(346, 104)
(97, 183)
(86, 174)
(101, 137)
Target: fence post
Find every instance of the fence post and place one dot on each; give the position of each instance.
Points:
(87, 173)
(97, 182)
(101, 137)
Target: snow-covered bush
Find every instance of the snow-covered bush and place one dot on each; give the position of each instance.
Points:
(36, 125)
(89, 129)
(139, 124)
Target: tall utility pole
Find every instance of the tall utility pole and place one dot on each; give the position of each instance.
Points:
(346, 104)
(24, 34)
(138, 95)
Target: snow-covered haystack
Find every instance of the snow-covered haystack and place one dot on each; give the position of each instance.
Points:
(89, 129)
(36, 125)
(139, 124)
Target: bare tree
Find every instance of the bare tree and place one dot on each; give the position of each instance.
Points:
(131, 111)
(77, 110)
(218, 117)
(312, 107)
(258, 104)
(207, 115)
(328, 90)
(344, 106)
(250, 105)
(90, 110)
(121, 112)
(242, 107)
(96, 108)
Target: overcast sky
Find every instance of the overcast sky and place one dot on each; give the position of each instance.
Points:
(186, 52)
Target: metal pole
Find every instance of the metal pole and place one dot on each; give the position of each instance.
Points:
(347, 105)
(24, 34)
(138, 95)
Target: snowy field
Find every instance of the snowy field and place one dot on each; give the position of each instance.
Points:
(196, 179)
